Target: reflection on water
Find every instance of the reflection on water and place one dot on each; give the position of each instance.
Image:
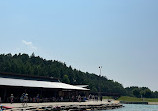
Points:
(137, 107)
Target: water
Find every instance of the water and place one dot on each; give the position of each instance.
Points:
(136, 107)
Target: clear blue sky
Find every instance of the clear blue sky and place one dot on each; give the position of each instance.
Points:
(119, 35)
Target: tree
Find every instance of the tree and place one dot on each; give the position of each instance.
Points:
(136, 92)
(146, 93)
(33, 54)
(66, 79)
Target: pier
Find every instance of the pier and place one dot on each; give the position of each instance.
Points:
(65, 106)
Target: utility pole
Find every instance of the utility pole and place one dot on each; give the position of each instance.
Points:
(100, 96)
(100, 67)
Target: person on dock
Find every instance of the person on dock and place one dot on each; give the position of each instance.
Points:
(72, 98)
(101, 98)
(38, 98)
(90, 97)
(25, 99)
(93, 97)
(22, 97)
(11, 98)
(79, 98)
(96, 97)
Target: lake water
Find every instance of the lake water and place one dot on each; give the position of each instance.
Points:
(136, 107)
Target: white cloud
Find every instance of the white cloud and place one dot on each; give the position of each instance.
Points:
(29, 45)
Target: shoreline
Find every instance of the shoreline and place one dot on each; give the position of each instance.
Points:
(137, 102)
(69, 106)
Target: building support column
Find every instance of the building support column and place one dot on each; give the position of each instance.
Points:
(5, 93)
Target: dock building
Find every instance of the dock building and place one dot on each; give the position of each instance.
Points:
(48, 89)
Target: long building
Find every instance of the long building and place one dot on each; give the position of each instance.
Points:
(47, 88)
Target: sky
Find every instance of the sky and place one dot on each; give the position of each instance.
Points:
(119, 35)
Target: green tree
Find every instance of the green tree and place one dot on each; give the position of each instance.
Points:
(146, 93)
(136, 92)
(66, 79)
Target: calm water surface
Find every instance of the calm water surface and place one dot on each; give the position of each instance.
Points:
(136, 107)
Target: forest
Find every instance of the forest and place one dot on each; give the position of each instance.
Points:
(37, 66)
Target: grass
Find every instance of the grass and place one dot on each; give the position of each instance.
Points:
(134, 99)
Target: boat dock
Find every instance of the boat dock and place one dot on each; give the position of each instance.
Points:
(65, 106)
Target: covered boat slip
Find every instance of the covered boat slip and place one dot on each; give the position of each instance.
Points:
(48, 91)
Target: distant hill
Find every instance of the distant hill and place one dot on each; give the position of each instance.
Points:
(37, 66)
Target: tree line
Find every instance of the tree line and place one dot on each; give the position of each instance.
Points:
(141, 92)
(37, 66)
